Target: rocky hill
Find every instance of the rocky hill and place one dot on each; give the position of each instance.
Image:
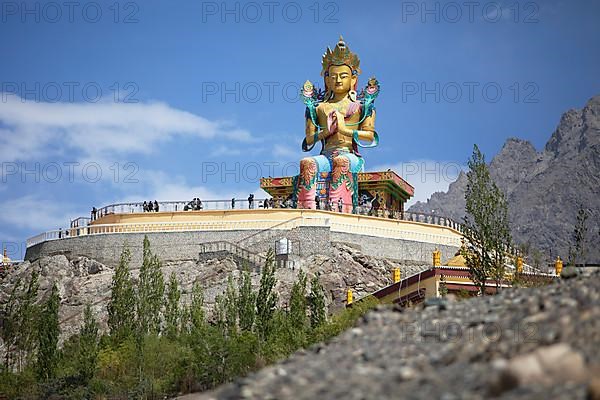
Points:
(545, 189)
(83, 280)
(524, 343)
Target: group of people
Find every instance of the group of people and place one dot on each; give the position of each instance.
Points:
(329, 205)
(266, 203)
(62, 233)
(321, 204)
(369, 207)
(150, 206)
(194, 205)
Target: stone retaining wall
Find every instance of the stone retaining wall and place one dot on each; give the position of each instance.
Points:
(177, 246)
(395, 248)
(185, 246)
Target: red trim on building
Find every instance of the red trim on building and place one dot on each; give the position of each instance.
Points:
(415, 297)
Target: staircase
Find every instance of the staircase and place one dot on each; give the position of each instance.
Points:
(222, 248)
(239, 250)
(266, 233)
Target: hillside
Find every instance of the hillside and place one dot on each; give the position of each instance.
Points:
(83, 280)
(544, 189)
(524, 343)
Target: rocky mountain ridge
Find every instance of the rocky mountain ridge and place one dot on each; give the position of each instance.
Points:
(544, 189)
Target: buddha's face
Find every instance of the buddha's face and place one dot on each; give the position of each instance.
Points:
(340, 79)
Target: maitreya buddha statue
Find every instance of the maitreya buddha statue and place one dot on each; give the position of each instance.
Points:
(342, 121)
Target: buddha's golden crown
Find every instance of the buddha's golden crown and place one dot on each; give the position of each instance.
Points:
(340, 55)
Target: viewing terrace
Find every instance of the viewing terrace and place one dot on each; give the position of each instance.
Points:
(223, 215)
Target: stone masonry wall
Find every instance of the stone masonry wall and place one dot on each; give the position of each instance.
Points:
(178, 246)
(395, 248)
(185, 246)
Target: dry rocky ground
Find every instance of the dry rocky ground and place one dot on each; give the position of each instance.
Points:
(527, 343)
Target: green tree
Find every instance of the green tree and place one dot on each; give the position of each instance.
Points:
(298, 304)
(150, 293)
(225, 311)
(487, 231)
(220, 313)
(197, 318)
(28, 322)
(9, 323)
(48, 333)
(266, 301)
(172, 310)
(246, 302)
(88, 344)
(316, 303)
(121, 307)
(230, 304)
(577, 252)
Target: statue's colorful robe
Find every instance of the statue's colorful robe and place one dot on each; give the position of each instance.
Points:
(332, 176)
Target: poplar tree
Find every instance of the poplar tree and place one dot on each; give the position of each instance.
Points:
(230, 307)
(316, 303)
(246, 302)
(27, 322)
(577, 252)
(298, 304)
(150, 294)
(9, 323)
(196, 309)
(88, 344)
(220, 313)
(48, 333)
(266, 300)
(121, 307)
(172, 310)
(487, 231)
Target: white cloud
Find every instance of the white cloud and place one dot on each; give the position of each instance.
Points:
(286, 152)
(39, 213)
(426, 176)
(225, 151)
(33, 130)
(34, 213)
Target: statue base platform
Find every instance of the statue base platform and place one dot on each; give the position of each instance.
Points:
(387, 185)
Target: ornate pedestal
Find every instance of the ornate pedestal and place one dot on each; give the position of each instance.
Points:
(390, 189)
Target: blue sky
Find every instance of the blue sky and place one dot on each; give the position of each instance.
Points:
(174, 100)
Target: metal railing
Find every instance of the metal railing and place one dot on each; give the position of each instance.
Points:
(184, 226)
(399, 231)
(176, 206)
(257, 235)
(396, 233)
(254, 260)
(81, 226)
(364, 209)
(80, 222)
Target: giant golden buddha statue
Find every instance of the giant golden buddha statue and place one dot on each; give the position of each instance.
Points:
(342, 120)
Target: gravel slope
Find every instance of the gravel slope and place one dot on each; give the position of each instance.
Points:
(535, 343)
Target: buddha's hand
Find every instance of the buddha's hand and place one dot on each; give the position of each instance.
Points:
(341, 125)
(332, 122)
